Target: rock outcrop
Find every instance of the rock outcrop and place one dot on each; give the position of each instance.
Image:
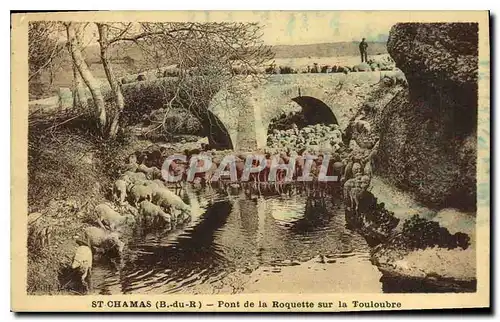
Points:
(428, 132)
(419, 256)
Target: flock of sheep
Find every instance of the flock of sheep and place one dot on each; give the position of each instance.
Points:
(383, 64)
(328, 137)
(142, 198)
(371, 65)
(141, 191)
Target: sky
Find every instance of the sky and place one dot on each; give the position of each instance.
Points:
(300, 27)
(322, 27)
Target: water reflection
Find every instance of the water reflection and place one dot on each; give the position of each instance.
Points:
(229, 233)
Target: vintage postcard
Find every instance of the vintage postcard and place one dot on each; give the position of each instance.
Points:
(250, 161)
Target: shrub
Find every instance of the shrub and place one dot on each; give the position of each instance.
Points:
(420, 233)
(175, 121)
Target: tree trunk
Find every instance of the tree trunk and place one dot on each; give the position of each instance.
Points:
(113, 83)
(77, 102)
(79, 94)
(86, 74)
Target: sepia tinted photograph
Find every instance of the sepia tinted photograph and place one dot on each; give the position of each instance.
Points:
(254, 152)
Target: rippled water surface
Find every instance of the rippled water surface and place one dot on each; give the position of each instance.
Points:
(228, 234)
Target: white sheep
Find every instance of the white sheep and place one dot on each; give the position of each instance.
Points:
(136, 182)
(356, 168)
(132, 167)
(125, 178)
(167, 199)
(120, 190)
(107, 216)
(159, 182)
(148, 210)
(139, 192)
(98, 238)
(82, 261)
(133, 176)
(151, 173)
(362, 126)
(153, 184)
(368, 170)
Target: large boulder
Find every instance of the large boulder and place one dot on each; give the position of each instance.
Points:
(428, 132)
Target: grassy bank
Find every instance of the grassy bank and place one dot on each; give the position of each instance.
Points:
(69, 170)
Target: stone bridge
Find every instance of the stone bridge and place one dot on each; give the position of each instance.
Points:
(247, 109)
(239, 116)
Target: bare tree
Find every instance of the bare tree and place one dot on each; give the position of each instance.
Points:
(207, 56)
(104, 44)
(43, 48)
(79, 95)
(74, 45)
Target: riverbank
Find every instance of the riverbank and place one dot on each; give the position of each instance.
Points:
(69, 174)
(442, 255)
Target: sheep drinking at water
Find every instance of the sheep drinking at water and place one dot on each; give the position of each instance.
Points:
(109, 218)
(82, 261)
(120, 191)
(101, 239)
(150, 211)
(140, 192)
(167, 199)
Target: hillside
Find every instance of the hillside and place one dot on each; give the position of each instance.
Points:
(327, 50)
(281, 51)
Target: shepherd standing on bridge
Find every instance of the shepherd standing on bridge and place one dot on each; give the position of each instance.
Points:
(363, 46)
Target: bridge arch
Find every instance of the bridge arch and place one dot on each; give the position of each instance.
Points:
(307, 110)
(315, 111)
(248, 108)
(216, 132)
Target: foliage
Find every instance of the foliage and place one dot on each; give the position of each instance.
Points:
(420, 233)
(205, 55)
(381, 218)
(43, 49)
(42, 275)
(43, 46)
(64, 158)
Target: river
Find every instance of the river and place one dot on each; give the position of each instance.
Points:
(236, 243)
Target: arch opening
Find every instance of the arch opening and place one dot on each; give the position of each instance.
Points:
(216, 132)
(312, 111)
(315, 111)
